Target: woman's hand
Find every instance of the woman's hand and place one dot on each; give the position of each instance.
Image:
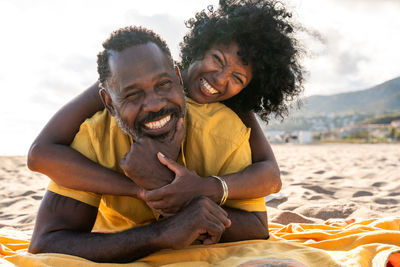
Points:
(141, 165)
(169, 199)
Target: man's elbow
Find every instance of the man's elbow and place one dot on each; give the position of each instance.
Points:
(37, 246)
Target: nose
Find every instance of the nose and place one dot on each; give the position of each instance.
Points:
(221, 77)
(153, 102)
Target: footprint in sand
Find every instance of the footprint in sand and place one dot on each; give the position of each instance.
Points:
(8, 203)
(318, 189)
(335, 178)
(369, 176)
(362, 194)
(300, 184)
(379, 184)
(37, 197)
(27, 193)
(315, 198)
(386, 201)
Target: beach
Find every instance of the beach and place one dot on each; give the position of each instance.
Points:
(320, 182)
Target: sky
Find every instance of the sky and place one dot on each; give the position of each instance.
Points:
(49, 49)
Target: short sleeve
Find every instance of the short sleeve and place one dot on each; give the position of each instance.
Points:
(83, 144)
(239, 159)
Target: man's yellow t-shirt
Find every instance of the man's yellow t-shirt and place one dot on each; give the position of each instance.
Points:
(216, 143)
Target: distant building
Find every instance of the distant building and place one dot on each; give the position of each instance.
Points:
(305, 137)
(395, 124)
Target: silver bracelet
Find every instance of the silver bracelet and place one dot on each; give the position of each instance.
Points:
(225, 189)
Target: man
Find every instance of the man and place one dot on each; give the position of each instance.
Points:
(143, 93)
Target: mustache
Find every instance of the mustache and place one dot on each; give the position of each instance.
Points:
(154, 116)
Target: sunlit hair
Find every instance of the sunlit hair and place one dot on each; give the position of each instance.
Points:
(264, 32)
(122, 39)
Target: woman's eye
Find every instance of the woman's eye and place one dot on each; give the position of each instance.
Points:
(216, 57)
(238, 79)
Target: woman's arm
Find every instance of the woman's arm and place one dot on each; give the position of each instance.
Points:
(257, 180)
(51, 155)
(262, 178)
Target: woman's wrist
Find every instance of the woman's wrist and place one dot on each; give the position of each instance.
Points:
(213, 189)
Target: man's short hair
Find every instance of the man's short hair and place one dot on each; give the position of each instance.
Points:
(122, 39)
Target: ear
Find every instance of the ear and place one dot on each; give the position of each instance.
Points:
(178, 73)
(107, 101)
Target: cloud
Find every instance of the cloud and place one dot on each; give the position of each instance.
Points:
(367, 5)
(62, 80)
(169, 28)
(349, 63)
(349, 2)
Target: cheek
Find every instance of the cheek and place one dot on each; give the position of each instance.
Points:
(234, 91)
(177, 97)
(129, 112)
(193, 70)
(199, 67)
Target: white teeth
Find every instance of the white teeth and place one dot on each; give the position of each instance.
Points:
(209, 89)
(158, 124)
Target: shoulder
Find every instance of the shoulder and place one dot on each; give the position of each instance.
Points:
(99, 127)
(101, 140)
(98, 123)
(216, 119)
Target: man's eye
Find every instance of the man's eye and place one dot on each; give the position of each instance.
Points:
(132, 95)
(165, 83)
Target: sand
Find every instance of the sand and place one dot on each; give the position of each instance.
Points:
(320, 182)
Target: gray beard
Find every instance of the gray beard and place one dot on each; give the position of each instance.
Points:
(126, 128)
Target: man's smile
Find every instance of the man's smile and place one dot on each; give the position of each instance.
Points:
(159, 123)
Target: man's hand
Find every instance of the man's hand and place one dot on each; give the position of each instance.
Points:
(169, 199)
(141, 164)
(201, 220)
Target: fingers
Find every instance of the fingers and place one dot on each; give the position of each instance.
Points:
(215, 229)
(122, 162)
(172, 165)
(221, 215)
(142, 194)
(154, 195)
(179, 132)
(164, 213)
(216, 221)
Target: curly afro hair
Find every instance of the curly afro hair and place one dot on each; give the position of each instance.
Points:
(265, 34)
(122, 39)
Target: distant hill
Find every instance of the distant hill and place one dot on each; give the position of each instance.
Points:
(385, 119)
(378, 100)
(379, 104)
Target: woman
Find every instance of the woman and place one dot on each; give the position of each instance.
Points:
(242, 54)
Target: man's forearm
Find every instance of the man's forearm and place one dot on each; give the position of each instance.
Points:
(64, 225)
(120, 247)
(245, 225)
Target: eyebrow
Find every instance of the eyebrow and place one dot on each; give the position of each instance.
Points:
(136, 85)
